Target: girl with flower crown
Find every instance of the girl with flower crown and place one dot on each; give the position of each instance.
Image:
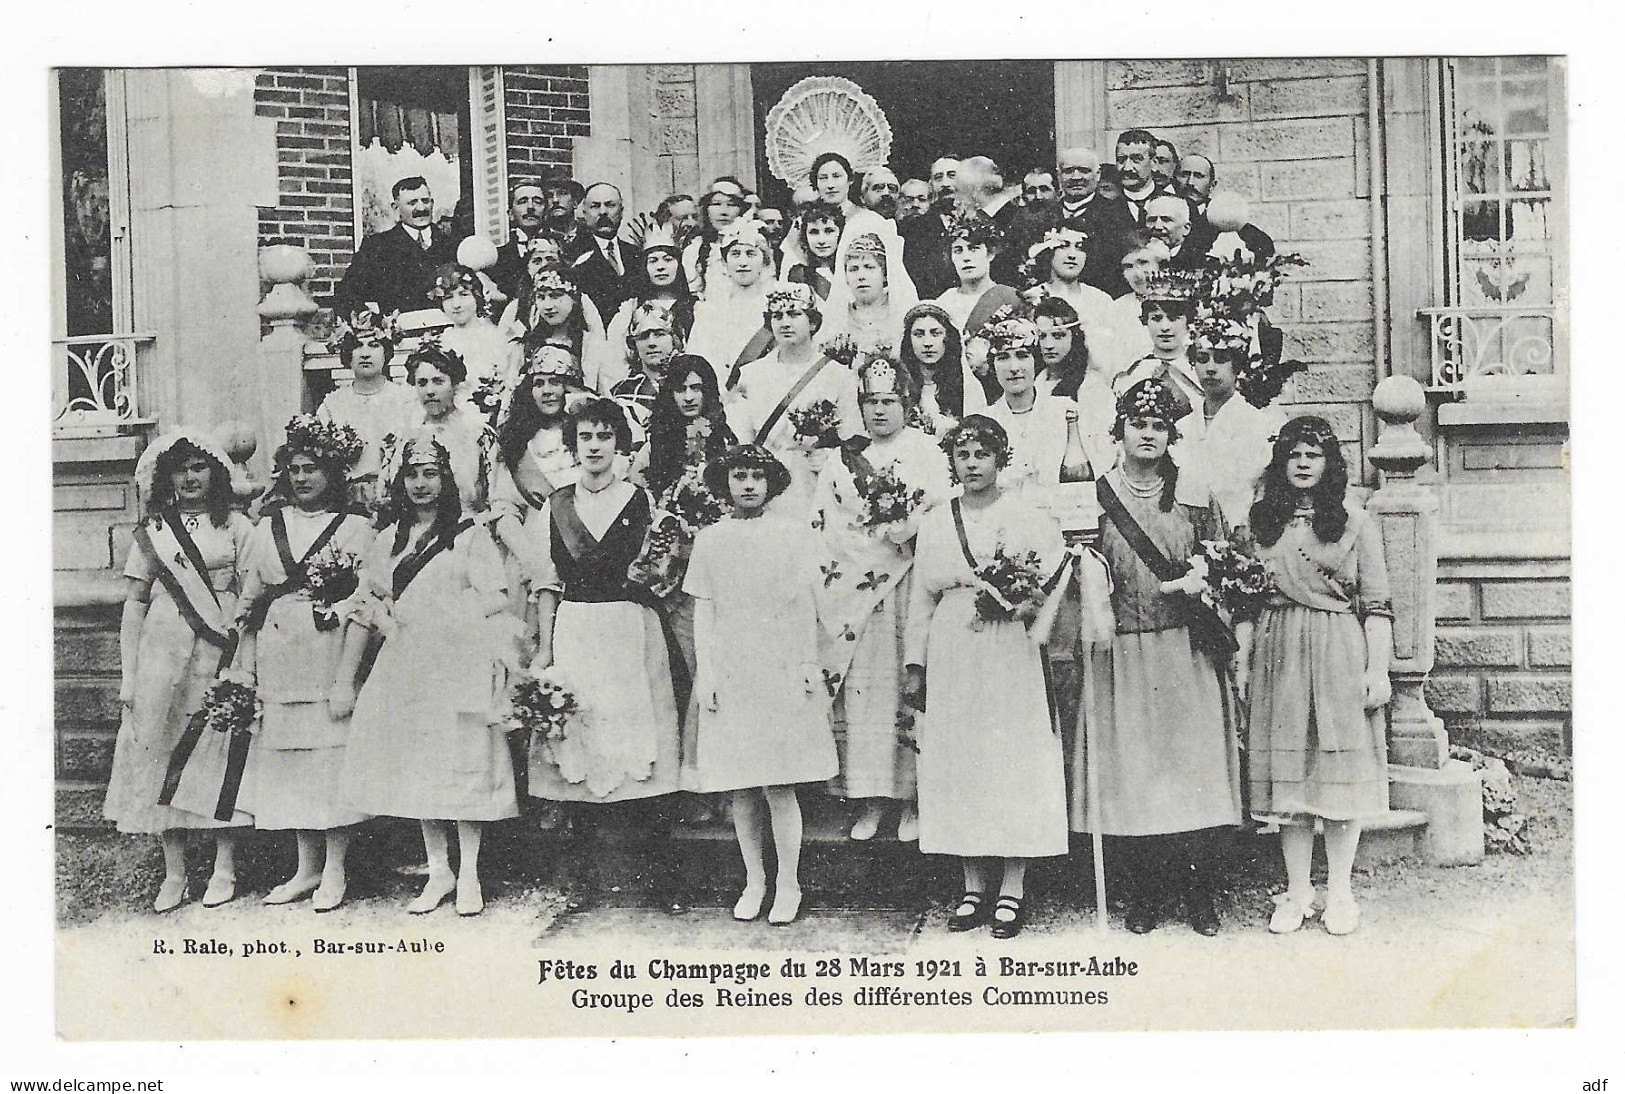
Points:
(1167, 309)
(1055, 265)
(661, 283)
(867, 507)
(728, 328)
(1168, 765)
(703, 266)
(291, 648)
(991, 778)
(973, 240)
(438, 376)
(491, 357)
(818, 231)
(177, 634)
(555, 313)
(371, 404)
(867, 306)
(763, 705)
(1319, 657)
(424, 740)
(1225, 439)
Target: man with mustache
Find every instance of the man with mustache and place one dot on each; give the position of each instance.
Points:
(395, 268)
(605, 267)
(880, 190)
(1107, 224)
(913, 199)
(1194, 182)
(563, 194)
(527, 219)
(925, 237)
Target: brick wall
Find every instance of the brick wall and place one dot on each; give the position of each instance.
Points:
(1291, 138)
(1502, 677)
(315, 200)
(546, 110)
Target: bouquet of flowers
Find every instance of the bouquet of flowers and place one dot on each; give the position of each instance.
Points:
(842, 348)
(817, 422)
(331, 577)
(1225, 577)
(1011, 588)
(487, 397)
(887, 499)
(229, 706)
(659, 565)
(543, 704)
(906, 730)
(1239, 286)
(691, 501)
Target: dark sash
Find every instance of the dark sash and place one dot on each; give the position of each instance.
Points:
(577, 540)
(293, 572)
(532, 499)
(411, 566)
(754, 350)
(172, 584)
(789, 397)
(862, 468)
(236, 754)
(1211, 632)
(964, 542)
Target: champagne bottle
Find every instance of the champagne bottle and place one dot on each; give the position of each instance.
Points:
(1074, 463)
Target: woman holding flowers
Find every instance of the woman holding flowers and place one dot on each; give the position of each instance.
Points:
(1320, 670)
(424, 740)
(532, 458)
(181, 584)
(304, 560)
(763, 707)
(1168, 763)
(868, 505)
(371, 404)
(991, 781)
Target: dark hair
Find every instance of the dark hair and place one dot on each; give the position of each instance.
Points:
(1136, 136)
(1212, 171)
(832, 157)
(977, 427)
(1185, 308)
(411, 182)
(1166, 467)
(1069, 374)
(219, 498)
(1169, 145)
(524, 419)
(668, 429)
(516, 185)
(815, 315)
(597, 410)
(460, 276)
(682, 309)
(663, 210)
(949, 373)
(717, 470)
(447, 361)
(350, 343)
(1277, 499)
(396, 508)
(337, 495)
(574, 326)
(820, 210)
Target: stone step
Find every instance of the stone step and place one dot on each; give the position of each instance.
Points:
(1395, 835)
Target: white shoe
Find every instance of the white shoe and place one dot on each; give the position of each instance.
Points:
(749, 904)
(1290, 912)
(867, 824)
(171, 895)
(292, 889)
(1342, 915)
(908, 825)
(786, 906)
(222, 890)
(470, 897)
(434, 894)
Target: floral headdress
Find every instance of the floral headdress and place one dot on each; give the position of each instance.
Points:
(974, 227)
(549, 280)
(538, 242)
(1230, 315)
(1173, 286)
(1305, 427)
(547, 359)
(747, 455)
(1221, 332)
(868, 244)
(367, 325)
(743, 233)
(329, 443)
(1238, 286)
(1035, 268)
(650, 316)
(977, 427)
(1150, 398)
(451, 277)
(790, 294)
(1009, 328)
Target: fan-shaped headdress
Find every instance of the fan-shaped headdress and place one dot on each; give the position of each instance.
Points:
(825, 114)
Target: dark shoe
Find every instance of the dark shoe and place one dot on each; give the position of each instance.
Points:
(1203, 917)
(1009, 928)
(1141, 917)
(979, 913)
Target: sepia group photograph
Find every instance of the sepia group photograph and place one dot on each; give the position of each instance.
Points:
(810, 546)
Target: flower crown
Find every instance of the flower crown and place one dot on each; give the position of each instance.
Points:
(1056, 238)
(649, 316)
(1173, 286)
(1221, 332)
(977, 427)
(538, 242)
(1009, 327)
(1150, 398)
(1239, 286)
(974, 227)
(1305, 428)
(367, 325)
(790, 293)
(867, 244)
(424, 449)
(327, 443)
(451, 277)
(547, 359)
(743, 233)
(549, 280)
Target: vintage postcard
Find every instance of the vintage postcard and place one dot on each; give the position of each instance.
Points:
(699, 549)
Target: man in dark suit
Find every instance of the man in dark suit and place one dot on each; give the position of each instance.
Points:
(396, 268)
(1168, 218)
(1136, 160)
(604, 267)
(527, 215)
(1107, 224)
(1194, 183)
(925, 237)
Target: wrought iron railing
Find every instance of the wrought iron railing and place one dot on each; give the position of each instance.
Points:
(1471, 343)
(94, 380)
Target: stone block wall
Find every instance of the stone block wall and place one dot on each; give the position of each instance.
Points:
(1292, 137)
(677, 127)
(1503, 654)
(315, 197)
(546, 109)
(87, 709)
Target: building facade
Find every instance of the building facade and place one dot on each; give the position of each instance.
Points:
(207, 214)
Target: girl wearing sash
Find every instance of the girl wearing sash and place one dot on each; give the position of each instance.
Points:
(1169, 772)
(600, 632)
(181, 583)
(791, 378)
(763, 705)
(933, 353)
(371, 404)
(292, 646)
(991, 778)
(973, 241)
(437, 376)
(728, 328)
(533, 459)
(662, 283)
(1320, 670)
(819, 230)
(652, 340)
(424, 741)
(861, 601)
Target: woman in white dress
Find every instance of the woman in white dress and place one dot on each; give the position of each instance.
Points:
(865, 590)
(763, 706)
(703, 266)
(818, 230)
(371, 404)
(437, 375)
(543, 254)
(291, 647)
(492, 358)
(868, 307)
(991, 780)
(729, 330)
(1071, 371)
(933, 352)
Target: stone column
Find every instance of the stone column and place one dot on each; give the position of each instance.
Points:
(279, 380)
(1421, 774)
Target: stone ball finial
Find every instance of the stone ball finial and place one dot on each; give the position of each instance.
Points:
(1399, 400)
(1228, 211)
(286, 267)
(285, 264)
(477, 253)
(238, 439)
(1400, 450)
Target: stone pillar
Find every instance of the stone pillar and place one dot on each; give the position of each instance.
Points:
(1080, 106)
(279, 379)
(725, 122)
(1421, 774)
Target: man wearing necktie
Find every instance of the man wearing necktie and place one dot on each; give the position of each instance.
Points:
(607, 270)
(396, 267)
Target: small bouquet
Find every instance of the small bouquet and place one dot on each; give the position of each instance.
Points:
(818, 423)
(1226, 578)
(229, 706)
(543, 704)
(487, 398)
(887, 499)
(1011, 588)
(658, 566)
(1240, 286)
(331, 577)
(842, 348)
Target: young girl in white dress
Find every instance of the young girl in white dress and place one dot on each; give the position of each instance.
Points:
(181, 585)
(991, 776)
(763, 705)
(423, 742)
(491, 357)
(292, 647)
(371, 404)
(933, 352)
